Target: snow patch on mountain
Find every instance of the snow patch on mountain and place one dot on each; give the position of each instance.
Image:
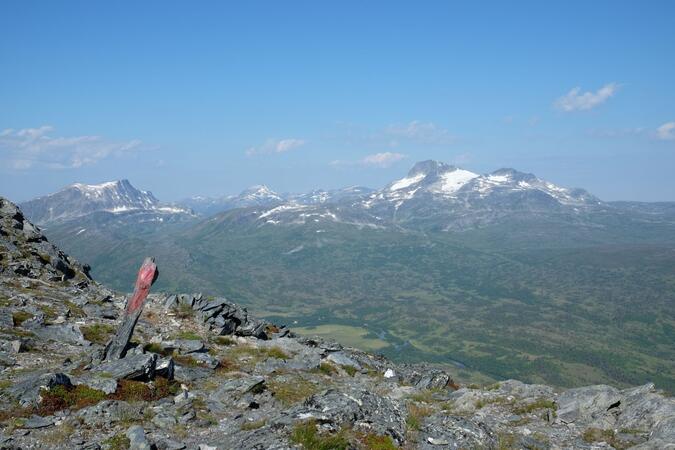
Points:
(451, 182)
(406, 182)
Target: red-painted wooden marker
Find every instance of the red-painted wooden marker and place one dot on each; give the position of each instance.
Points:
(117, 346)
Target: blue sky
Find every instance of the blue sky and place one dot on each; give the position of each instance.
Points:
(187, 98)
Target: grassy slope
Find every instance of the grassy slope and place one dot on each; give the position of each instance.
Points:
(593, 306)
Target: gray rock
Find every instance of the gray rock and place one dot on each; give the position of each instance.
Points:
(642, 408)
(341, 359)
(27, 390)
(241, 386)
(67, 333)
(205, 360)
(191, 374)
(185, 299)
(358, 408)
(171, 301)
(170, 444)
(98, 381)
(34, 422)
(184, 346)
(6, 320)
(165, 368)
(164, 420)
(12, 346)
(452, 432)
(137, 439)
(588, 404)
(423, 376)
(107, 412)
(132, 367)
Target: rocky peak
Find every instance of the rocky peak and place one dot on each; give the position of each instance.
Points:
(25, 251)
(430, 167)
(260, 192)
(80, 199)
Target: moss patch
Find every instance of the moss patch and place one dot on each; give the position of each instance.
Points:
(292, 390)
(98, 333)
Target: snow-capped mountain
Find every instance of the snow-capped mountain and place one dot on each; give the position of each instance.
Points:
(440, 196)
(437, 179)
(322, 196)
(259, 195)
(263, 196)
(78, 200)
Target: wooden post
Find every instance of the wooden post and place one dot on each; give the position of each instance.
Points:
(117, 346)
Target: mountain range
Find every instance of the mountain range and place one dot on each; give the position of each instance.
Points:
(432, 195)
(505, 274)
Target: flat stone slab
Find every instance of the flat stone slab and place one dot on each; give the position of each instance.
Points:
(132, 367)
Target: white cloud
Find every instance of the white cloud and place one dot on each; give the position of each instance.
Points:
(420, 132)
(666, 132)
(39, 148)
(275, 146)
(384, 159)
(575, 100)
(379, 160)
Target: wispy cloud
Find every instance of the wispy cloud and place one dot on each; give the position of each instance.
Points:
(419, 132)
(38, 148)
(666, 132)
(275, 146)
(575, 100)
(378, 160)
(618, 132)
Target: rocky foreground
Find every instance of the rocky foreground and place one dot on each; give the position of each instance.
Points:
(201, 373)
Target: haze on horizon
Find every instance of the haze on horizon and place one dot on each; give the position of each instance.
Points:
(209, 99)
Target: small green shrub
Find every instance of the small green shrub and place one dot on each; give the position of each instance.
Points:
(188, 335)
(185, 360)
(306, 435)
(326, 369)
(62, 397)
(224, 340)
(156, 348)
(276, 352)
(492, 401)
(226, 365)
(351, 371)
(137, 391)
(118, 442)
(19, 317)
(248, 426)
(416, 415)
(597, 435)
(378, 442)
(184, 311)
(133, 391)
(540, 403)
(75, 310)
